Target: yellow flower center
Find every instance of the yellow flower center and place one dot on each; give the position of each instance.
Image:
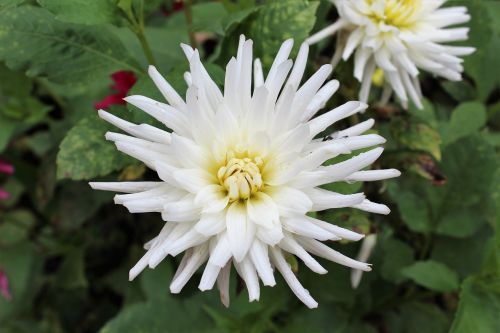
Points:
(241, 177)
(397, 13)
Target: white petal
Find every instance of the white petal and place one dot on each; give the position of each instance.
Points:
(323, 199)
(166, 89)
(124, 187)
(211, 223)
(262, 210)
(294, 284)
(371, 175)
(260, 258)
(247, 272)
(301, 225)
(291, 200)
(289, 244)
(364, 254)
(240, 231)
(193, 180)
(213, 198)
(223, 284)
(373, 207)
(326, 252)
(209, 277)
(195, 260)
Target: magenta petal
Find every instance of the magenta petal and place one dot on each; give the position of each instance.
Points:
(4, 286)
(6, 168)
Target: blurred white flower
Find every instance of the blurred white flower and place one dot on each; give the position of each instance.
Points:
(364, 254)
(242, 168)
(398, 37)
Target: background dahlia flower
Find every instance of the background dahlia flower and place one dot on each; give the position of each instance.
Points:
(399, 37)
(241, 170)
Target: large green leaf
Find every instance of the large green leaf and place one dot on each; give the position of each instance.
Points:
(465, 120)
(460, 206)
(464, 203)
(480, 65)
(479, 306)
(433, 275)
(82, 11)
(163, 316)
(32, 41)
(279, 20)
(85, 154)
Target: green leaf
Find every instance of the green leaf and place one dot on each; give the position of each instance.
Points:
(480, 65)
(82, 11)
(71, 274)
(9, 3)
(15, 226)
(465, 260)
(279, 20)
(427, 114)
(432, 275)
(19, 264)
(417, 136)
(461, 91)
(167, 316)
(154, 281)
(465, 120)
(85, 154)
(396, 256)
(416, 318)
(464, 203)
(479, 306)
(209, 17)
(414, 211)
(32, 41)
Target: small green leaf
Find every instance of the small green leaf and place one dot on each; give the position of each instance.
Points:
(279, 20)
(479, 306)
(413, 210)
(82, 11)
(461, 91)
(417, 136)
(396, 256)
(19, 262)
(465, 120)
(432, 275)
(71, 274)
(85, 154)
(15, 226)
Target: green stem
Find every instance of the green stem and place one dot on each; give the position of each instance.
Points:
(145, 47)
(189, 20)
(136, 24)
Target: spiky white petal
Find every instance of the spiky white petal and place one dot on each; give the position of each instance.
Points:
(242, 168)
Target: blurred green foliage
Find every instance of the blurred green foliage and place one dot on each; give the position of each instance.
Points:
(66, 249)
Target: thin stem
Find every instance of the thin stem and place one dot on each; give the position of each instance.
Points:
(189, 20)
(145, 46)
(136, 25)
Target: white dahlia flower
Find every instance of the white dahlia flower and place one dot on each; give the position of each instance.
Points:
(399, 37)
(241, 170)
